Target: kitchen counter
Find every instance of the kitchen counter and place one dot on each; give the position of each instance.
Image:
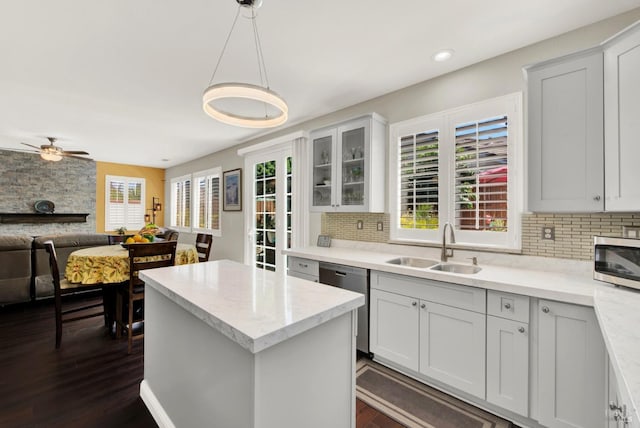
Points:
(547, 278)
(244, 347)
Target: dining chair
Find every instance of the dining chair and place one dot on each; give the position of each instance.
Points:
(116, 239)
(203, 246)
(141, 256)
(61, 288)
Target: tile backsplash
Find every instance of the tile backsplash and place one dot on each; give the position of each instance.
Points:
(573, 232)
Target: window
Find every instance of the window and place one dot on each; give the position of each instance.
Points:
(459, 166)
(181, 202)
(124, 202)
(206, 201)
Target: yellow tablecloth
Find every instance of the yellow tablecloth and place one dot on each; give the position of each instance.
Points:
(110, 263)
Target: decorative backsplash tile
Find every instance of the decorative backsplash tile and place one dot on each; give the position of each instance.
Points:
(573, 232)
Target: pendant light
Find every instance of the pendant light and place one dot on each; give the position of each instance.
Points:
(236, 90)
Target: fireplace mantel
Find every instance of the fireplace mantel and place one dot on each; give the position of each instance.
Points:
(13, 218)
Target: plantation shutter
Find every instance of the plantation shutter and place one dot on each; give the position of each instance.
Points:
(214, 203)
(182, 196)
(125, 203)
(419, 180)
(481, 173)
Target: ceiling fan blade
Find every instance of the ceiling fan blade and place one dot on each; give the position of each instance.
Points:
(31, 145)
(66, 154)
(12, 149)
(74, 152)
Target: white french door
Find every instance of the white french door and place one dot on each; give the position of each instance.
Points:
(269, 208)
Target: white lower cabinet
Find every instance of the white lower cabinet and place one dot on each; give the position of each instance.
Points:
(452, 346)
(393, 332)
(442, 342)
(619, 408)
(508, 364)
(571, 367)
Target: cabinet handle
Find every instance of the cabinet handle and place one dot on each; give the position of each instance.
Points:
(545, 309)
(414, 303)
(507, 305)
(303, 265)
(521, 329)
(596, 198)
(423, 306)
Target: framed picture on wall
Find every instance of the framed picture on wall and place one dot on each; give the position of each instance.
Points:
(232, 181)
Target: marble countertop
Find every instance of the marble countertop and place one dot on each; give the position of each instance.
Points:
(254, 308)
(619, 318)
(617, 308)
(539, 277)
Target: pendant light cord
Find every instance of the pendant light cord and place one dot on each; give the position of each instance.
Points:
(224, 48)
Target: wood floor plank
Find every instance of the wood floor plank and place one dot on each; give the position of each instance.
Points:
(89, 382)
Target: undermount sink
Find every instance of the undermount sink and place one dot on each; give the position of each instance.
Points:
(413, 262)
(455, 268)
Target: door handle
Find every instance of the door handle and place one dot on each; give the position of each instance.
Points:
(338, 273)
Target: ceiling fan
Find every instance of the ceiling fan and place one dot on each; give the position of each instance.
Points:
(53, 153)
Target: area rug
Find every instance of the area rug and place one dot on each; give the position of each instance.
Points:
(414, 404)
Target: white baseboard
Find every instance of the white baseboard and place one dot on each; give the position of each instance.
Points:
(154, 406)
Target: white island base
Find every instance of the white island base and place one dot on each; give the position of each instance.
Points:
(195, 376)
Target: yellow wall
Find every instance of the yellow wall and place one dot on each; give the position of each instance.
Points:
(154, 186)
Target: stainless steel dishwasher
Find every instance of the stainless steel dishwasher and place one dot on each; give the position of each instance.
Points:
(352, 279)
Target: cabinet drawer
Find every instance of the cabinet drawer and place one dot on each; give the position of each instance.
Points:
(507, 305)
(455, 295)
(306, 276)
(306, 266)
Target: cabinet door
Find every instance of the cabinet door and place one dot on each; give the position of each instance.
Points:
(353, 139)
(393, 333)
(452, 347)
(622, 127)
(566, 166)
(323, 169)
(571, 367)
(508, 364)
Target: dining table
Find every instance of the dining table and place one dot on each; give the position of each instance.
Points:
(109, 264)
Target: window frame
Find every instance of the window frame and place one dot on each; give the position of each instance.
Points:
(108, 225)
(446, 121)
(174, 202)
(195, 199)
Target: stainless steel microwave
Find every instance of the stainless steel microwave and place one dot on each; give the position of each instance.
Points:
(617, 260)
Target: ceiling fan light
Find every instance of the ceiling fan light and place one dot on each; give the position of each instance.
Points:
(248, 91)
(48, 156)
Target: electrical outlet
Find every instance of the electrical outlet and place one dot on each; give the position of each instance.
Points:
(631, 232)
(380, 226)
(548, 233)
(359, 225)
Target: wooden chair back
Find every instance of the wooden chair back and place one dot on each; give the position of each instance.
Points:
(150, 255)
(62, 287)
(203, 246)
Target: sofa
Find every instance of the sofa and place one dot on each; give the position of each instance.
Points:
(24, 263)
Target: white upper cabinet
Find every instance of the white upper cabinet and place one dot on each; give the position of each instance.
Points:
(348, 166)
(622, 120)
(565, 156)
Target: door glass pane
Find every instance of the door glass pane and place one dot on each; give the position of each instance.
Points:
(265, 205)
(322, 171)
(353, 167)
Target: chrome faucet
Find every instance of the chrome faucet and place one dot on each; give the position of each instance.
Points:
(447, 252)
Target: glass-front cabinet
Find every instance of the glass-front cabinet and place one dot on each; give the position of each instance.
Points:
(347, 164)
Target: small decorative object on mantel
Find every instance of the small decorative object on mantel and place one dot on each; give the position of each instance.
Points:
(44, 207)
(232, 182)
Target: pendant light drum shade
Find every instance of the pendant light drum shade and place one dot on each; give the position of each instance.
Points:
(248, 91)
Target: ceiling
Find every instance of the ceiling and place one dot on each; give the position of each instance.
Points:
(123, 79)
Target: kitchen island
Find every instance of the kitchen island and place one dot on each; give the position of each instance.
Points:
(228, 345)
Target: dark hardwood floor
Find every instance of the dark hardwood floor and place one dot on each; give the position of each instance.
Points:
(89, 382)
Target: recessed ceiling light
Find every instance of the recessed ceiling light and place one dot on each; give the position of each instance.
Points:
(443, 55)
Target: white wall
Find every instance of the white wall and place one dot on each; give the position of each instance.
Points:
(491, 78)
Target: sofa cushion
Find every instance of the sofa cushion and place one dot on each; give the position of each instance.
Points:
(65, 244)
(15, 268)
